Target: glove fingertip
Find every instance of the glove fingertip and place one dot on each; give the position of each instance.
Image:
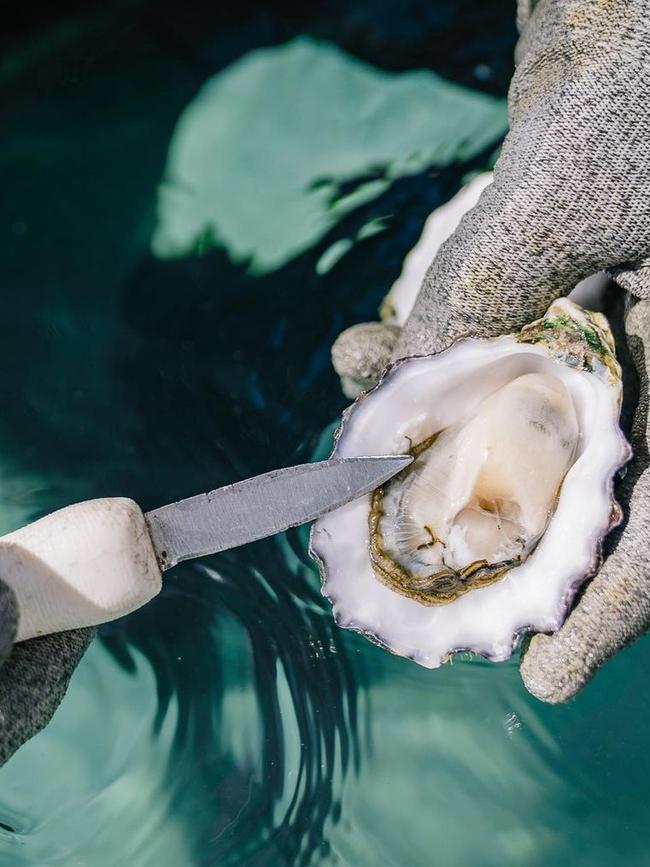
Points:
(360, 354)
(548, 673)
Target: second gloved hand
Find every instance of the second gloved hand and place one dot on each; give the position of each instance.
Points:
(569, 198)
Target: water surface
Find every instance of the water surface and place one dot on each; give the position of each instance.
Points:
(195, 203)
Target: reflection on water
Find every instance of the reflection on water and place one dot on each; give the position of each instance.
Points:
(337, 134)
(230, 722)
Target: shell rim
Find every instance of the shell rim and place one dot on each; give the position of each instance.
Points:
(616, 516)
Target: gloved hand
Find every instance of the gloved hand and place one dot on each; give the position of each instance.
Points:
(85, 564)
(569, 198)
(34, 675)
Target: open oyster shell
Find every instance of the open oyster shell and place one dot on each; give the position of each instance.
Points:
(501, 516)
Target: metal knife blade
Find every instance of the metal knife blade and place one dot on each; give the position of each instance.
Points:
(263, 505)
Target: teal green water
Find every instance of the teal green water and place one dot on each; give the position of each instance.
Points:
(182, 241)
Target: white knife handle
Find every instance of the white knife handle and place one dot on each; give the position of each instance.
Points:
(85, 564)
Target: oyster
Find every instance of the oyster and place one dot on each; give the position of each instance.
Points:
(501, 516)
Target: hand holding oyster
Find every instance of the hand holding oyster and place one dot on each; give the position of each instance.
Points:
(569, 199)
(501, 516)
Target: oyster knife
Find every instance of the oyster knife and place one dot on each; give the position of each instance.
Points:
(94, 561)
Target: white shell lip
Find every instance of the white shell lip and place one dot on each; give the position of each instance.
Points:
(580, 553)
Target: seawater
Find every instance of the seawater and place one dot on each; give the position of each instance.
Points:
(193, 208)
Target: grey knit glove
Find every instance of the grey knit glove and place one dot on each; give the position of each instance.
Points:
(570, 197)
(34, 675)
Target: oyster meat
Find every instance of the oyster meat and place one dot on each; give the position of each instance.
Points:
(501, 516)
